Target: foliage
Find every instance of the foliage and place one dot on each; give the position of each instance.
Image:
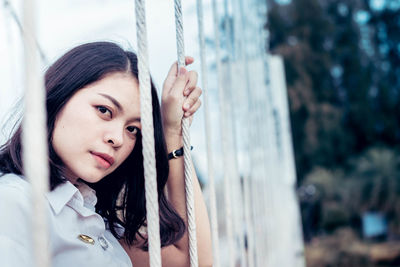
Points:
(374, 185)
(371, 182)
(342, 63)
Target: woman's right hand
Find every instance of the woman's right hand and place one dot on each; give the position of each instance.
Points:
(180, 97)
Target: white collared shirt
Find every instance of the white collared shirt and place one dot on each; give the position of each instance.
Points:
(71, 214)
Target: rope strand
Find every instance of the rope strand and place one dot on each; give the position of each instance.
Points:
(149, 163)
(186, 146)
(231, 133)
(210, 165)
(34, 139)
(225, 145)
(23, 33)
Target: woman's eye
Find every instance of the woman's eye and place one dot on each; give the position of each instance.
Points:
(104, 110)
(133, 130)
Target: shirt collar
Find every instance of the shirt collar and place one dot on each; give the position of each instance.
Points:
(61, 195)
(65, 192)
(88, 194)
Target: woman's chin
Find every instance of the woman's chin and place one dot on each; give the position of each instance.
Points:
(92, 177)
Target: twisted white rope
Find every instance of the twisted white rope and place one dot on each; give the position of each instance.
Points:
(149, 163)
(247, 218)
(265, 237)
(34, 139)
(265, 241)
(210, 167)
(225, 144)
(271, 148)
(231, 132)
(186, 146)
(21, 27)
(251, 194)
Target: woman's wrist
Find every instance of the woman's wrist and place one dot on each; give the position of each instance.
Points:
(173, 140)
(172, 130)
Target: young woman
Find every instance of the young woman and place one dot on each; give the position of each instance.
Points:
(96, 206)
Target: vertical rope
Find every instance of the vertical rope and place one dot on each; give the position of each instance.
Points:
(250, 130)
(267, 242)
(21, 28)
(210, 164)
(273, 148)
(9, 60)
(254, 126)
(231, 113)
(149, 164)
(186, 146)
(225, 148)
(249, 226)
(34, 139)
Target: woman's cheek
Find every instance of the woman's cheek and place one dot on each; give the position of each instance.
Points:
(129, 150)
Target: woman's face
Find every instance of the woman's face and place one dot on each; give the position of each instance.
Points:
(96, 129)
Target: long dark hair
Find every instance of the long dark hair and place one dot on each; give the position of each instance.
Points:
(121, 197)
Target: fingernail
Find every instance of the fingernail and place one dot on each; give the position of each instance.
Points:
(182, 71)
(186, 106)
(186, 92)
(187, 114)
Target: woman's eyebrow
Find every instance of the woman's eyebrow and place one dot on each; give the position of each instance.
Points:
(118, 105)
(114, 101)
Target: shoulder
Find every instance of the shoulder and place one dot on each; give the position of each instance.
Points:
(15, 214)
(14, 194)
(12, 179)
(15, 203)
(13, 182)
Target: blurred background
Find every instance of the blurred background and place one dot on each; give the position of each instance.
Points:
(342, 62)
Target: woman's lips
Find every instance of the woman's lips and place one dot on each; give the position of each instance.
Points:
(104, 160)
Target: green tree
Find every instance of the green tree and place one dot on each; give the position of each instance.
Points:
(342, 67)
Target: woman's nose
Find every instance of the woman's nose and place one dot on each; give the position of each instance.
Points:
(114, 137)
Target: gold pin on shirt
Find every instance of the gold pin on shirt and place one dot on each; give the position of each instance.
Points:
(86, 239)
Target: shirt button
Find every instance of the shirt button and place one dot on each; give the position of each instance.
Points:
(103, 242)
(85, 238)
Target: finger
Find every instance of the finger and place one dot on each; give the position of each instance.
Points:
(180, 82)
(172, 73)
(192, 98)
(189, 60)
(191, 84)
(193, 109)
(173, 70)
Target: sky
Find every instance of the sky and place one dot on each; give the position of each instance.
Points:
(63, 24)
